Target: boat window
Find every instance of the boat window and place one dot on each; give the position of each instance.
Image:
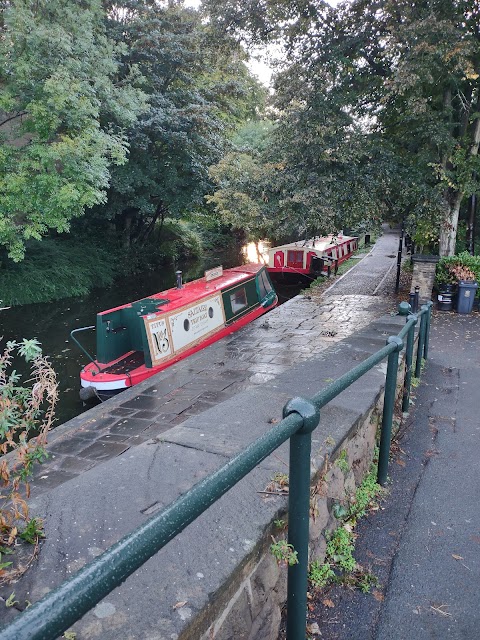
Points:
(238, 300)
(264, 285)
(295, 259)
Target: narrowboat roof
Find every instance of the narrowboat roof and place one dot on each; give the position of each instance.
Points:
(197, 289)
(318, 244)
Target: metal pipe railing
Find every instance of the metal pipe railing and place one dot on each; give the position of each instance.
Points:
(56, 612)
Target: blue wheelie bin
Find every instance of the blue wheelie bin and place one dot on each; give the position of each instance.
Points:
(466, 295)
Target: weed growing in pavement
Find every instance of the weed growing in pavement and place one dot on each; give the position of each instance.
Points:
(340, 565)
(26, 415)
(33, 531)
(320, 574)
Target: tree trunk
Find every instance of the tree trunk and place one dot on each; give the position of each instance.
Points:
(448, 232)
(472, 211)
(160, 212)
(127, 225)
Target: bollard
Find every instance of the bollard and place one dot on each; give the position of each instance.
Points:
(417, 299)
(411, 300)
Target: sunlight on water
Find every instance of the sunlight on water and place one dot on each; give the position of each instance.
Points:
(256, 251)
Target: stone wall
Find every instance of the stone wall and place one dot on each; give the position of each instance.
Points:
(424, 275)
(252, 610)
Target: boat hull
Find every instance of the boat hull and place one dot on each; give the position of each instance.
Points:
(110, 384)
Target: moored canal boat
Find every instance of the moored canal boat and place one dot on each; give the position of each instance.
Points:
(138, 339)
(311, 258)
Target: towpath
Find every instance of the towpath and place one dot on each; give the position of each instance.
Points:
(105, 474)
(423, 545)
(373, 271)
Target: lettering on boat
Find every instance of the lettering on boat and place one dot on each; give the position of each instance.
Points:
(196, 321)
(214, 273)
(159, 339)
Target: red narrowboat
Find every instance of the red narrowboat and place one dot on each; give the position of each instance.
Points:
(138, 339)
(311, 258)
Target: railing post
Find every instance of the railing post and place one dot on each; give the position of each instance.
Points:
(427, 329)
(404, 309)
(421, 340)
(299, 514)
(388, 407)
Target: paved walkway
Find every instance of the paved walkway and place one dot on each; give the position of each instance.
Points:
(424, 544)
(368, 275)
(114, 466)
(433, 590)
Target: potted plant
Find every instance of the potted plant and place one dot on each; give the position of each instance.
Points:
(457, 275)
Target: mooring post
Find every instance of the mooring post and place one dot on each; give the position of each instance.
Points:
(388, 408)
(299, 514)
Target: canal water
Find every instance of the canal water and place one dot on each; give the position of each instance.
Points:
(51, 323)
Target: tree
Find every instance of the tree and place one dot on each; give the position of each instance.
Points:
(379, 105)
(57, 77)
(199, 88)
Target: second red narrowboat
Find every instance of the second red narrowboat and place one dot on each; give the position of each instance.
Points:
(311, 258)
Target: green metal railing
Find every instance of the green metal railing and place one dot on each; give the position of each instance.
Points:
(56, 612)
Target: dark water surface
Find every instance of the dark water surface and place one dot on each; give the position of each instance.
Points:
(52, 322)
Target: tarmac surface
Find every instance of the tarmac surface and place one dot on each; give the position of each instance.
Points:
(424, 543)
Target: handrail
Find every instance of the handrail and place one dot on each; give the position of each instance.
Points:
(80, 346)
(57, 611)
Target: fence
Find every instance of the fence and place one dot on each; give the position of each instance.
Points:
(56, 612)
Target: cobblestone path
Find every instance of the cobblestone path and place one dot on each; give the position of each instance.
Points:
(368, 275)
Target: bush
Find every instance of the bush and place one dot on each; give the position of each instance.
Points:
(55, 269)
(451, 269)
(25, 411)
